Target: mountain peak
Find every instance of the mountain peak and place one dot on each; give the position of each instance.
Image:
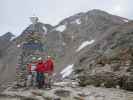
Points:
(7, 36)
(97, 11)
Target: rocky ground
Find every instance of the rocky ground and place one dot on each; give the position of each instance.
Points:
(107, 62)
(66, 91)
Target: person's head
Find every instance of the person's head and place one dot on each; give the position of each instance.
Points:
(48, 57)
(40, 59)
(33, 59)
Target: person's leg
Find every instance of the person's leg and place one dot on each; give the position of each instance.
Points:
(38, 79)
(34, 78)
(41, 80)
(39, 84)
(49, 81)
(29, 78)
(46, 78)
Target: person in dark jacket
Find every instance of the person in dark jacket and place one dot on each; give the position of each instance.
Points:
(40, 73)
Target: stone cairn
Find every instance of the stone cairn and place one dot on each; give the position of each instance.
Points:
(31, 47)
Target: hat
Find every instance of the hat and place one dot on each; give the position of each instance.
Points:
(33, 58)
(40, 58)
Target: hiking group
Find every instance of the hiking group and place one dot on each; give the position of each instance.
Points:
(40, 73)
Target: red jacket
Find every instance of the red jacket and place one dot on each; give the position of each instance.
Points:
(40, 67)
(49, 66)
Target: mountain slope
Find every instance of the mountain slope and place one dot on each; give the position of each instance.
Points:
(5, 41)
(75, 30)
(64, 39)
(109, 61)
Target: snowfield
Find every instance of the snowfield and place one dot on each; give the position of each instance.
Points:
(61, 28)
(84, 44)
(67, 71)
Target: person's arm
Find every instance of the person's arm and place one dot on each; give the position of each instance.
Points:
(52, 67)
(36, 69)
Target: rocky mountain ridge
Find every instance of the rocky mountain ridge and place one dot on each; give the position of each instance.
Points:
(64, 39)
(109, 61)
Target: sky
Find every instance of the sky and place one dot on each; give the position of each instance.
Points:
(15, 14)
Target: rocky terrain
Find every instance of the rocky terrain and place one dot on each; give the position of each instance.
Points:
(109, 61)
(96, 45)
(66, 90)
(8, 58)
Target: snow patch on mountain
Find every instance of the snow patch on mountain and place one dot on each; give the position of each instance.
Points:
(63, 43)
(78, 21)
(45, 29)
(13, 38)
(67, 71)
(84, 44)
(125, 20)
(61, 28)
(19, 45)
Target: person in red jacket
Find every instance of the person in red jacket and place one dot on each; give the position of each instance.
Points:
(40, 73)
(49, 65)
(48, 71)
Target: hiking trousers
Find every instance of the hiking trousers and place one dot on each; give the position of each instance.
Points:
(40, 79)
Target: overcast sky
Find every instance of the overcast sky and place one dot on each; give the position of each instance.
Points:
(15, 14)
